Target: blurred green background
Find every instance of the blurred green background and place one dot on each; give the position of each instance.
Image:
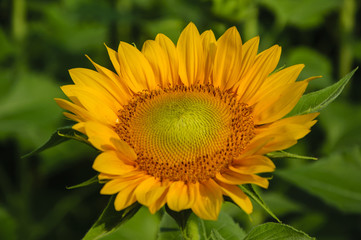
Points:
(41, 39)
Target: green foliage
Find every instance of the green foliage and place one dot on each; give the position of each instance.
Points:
(275, 231)
(59, 136)
(327, 179)
(110, 219)
(316, 101)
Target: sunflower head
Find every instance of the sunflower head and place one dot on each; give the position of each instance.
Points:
(186, 124)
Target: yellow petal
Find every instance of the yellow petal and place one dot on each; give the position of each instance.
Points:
(277, 81)
(72, 117)
(190, 53)
(149, 191)
(126, 197)
(124, 150)
(264, 64)
(79, 127)
(135, 68)
(233, 178)
(283, 133)
(208, 200)
(158, 61)
(228, 59)
(252, 164)
(154, 207)
(117, 183)
(82, 113)
(275, 105)
(209, 43)
(100, 135)
(172, 57)
(93, 103)
(249, 53)
(180, 196)
(99, 82)
(238, 196)
(109, 162)
(100, 94)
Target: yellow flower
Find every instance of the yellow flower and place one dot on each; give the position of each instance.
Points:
(184, 125)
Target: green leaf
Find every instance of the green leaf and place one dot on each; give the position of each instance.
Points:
(224, 226)
(59, 136)
(316, 101)
(335, 179)
(283, 154)
(251, 192)
(85, 183)
(169, 229)
(130, 230)
(110, 219)
(276, 231)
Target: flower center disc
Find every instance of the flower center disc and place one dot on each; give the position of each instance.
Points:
(185, 133)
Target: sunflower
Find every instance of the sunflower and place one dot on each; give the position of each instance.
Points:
(186, 125)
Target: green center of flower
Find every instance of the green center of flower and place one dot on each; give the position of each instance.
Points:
(185, 133)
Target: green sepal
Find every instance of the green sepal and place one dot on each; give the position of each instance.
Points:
(252, 193)
(85, 183)
(59, 136)
(316, 101)
(283, 154)
(110, 220)
(276, 231)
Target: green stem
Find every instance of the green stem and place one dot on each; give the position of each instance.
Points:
(251, 25)
(347, 24)
(191, 232)
(18, 27)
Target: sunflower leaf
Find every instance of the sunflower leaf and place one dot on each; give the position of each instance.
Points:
(59, 136)
(85, 183)
(334, 179)
(316, 101)
(275, 231)
(251, 192)
(110, 220)
(283, 154)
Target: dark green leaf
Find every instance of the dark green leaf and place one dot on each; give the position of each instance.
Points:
(168, 229)
(251, 192)
(180, 217)
(335, 179)
(283, 154)
(316, 101)
(110, 219)
(276, 231)
(61, 135)
(85, 183)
